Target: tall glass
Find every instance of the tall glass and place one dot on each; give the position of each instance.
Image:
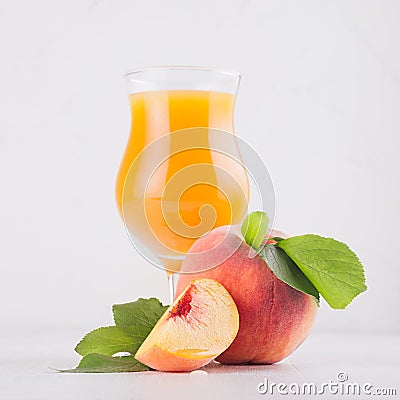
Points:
(174, 183)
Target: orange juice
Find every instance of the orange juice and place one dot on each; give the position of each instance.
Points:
(191, 191)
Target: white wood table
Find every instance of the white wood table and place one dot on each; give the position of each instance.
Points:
(364, 358)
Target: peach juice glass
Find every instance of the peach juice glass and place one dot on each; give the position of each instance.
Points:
(167, 206)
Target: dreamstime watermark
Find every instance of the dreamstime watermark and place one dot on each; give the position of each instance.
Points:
(340, 386)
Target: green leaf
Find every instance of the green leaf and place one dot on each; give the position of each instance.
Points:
(140, 315)
(134, 322)
(276, 239)
(254, 228)
(109, 340)
(329, 265)
(286, 270)
(101, 363)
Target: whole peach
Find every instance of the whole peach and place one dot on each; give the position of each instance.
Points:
(274, 318)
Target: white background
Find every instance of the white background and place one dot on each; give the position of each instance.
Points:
(319, 99)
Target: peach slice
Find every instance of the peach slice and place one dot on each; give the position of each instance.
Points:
(201, 324)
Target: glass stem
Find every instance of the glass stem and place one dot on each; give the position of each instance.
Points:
(171, 287)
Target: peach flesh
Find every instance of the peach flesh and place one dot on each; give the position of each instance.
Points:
(274, 318)
(201, 323)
